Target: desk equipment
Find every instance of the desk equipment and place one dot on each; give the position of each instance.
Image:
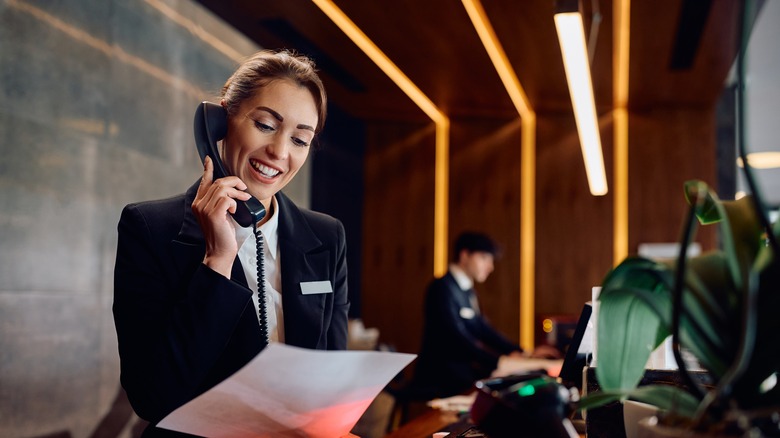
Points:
(531, 404)
(578, 351)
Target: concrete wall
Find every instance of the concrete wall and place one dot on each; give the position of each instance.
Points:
(96, 107)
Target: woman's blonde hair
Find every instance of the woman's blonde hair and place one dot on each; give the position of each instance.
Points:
(267, 66)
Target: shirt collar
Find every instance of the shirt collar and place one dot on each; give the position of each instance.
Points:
(269, 230)
(461, 278)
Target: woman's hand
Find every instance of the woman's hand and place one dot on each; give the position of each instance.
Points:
(212, 204)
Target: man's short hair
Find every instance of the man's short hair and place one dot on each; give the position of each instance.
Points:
(474, 242)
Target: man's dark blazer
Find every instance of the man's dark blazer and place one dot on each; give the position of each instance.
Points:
(182, 328)
(459, 346)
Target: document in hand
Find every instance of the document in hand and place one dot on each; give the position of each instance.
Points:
(290, 392)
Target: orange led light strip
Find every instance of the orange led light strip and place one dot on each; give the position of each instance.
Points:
(527, 162)
(441, 178)
(622, 14)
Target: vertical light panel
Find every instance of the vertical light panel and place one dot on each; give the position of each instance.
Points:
(528, 232)
(620, 50)
(441, 188)
(442, 178)
(528, 167)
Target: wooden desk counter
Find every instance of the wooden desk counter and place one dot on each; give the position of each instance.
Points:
(425, 425)
(432, 421)
(437, 420)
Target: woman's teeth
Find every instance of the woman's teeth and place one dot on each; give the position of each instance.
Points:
(264, 170)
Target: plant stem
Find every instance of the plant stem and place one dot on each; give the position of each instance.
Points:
(751, 289)
(677, 293)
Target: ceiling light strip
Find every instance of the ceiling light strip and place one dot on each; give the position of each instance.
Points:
(380, 59)
(761, 160)
(441, 177)
(496, 53)
(527, 162)
(571, 35)
(622, 20)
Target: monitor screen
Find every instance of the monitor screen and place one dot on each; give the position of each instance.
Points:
(580, 347)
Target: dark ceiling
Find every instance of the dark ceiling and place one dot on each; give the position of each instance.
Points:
(680, 52)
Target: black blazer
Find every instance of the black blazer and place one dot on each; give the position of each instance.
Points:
(182, 328)
(459, 346)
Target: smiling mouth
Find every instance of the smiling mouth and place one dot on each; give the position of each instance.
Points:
(264, 170)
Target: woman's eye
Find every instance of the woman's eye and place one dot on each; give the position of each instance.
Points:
(299, 142)
(263, 127)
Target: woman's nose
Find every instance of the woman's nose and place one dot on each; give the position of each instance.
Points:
(278, 148)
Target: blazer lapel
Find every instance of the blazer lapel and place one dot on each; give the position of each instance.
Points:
(303, 314)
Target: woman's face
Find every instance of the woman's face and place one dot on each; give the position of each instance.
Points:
(268, 138)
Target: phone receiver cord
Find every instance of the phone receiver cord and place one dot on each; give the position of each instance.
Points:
(262, 311)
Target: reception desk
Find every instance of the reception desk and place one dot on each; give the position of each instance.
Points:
(434, 420)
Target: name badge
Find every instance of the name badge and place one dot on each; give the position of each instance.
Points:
(467, 312)
(316, 287)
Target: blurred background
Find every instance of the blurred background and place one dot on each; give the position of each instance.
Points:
(96, 105)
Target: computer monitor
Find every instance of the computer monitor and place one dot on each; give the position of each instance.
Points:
(580, 347)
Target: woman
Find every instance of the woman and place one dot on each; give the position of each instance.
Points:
(185, 282)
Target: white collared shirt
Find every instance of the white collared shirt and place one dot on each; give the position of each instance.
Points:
(465, 283)
(461, 278)
(247, 253)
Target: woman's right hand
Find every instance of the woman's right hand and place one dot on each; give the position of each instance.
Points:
(212, 205)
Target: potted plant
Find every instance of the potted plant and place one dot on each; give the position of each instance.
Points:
(721, 306)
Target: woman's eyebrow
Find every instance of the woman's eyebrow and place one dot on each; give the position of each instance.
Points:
(280, 118)
(275, 114)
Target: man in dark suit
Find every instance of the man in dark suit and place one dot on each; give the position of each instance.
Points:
(459, 346)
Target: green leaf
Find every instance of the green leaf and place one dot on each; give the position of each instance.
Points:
(667, 398)
(742, 237)
(627, 334)
(706, 202)
(634, 318)
(708, 327)
(708, 282)
(709, 209)
(600, 398)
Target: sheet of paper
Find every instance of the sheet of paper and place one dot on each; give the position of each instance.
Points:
(456, 403)
(290, 392)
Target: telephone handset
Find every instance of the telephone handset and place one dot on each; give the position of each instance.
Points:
(210, 127)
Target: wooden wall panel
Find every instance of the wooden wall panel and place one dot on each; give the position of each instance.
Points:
(397, 230)
(485, 197)
(573, 227)
(398, 233)
(574, 230)
(666, 148)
